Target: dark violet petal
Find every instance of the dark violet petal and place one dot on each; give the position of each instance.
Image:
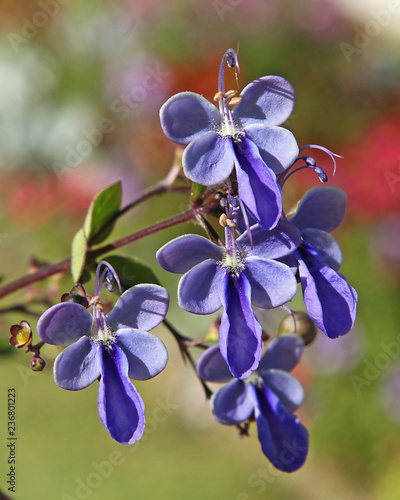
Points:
(258, 188)
(288, 389)
(212, 367)
(64, 323)
(199, 290)
(272, 244)
(277, 146)
(78, 366)
(282, 353)
(186, 116)
(326, 245)
(233, 403)
(143, 307)
(121, 409)
(283, 438)
(268, 101)
(322, 207)
(239, 332)
(272, 283)
(185, 252)
(209, 159)
(331, 302)
(146, 354)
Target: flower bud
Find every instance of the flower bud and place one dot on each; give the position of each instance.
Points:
(37, 364)
(300, 324)
(77, 295)
(21, 335)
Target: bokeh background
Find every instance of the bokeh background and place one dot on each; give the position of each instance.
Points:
(68, 65)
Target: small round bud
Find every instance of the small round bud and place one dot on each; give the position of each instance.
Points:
(37, 364)
(300, 324)
(77, 295)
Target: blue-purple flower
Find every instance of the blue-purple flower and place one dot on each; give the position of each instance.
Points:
(331, 302)
(271, 398)
(248, 138)
(112, 348)
(236, 276)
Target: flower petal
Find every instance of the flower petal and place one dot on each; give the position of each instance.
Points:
(146, 354)
(239, 332)
(282, 353)
(277, 146)
(258, 188)
(331, 302)
(143, 307)
(326, 245)
(268, 100)
(272, 244)
(64, 323)
(212, 367)
(322, 207)
(288, 389)
(233, 403)
(209, 159)
(185, 252)
(186, 116)
(199, 290)
(283, 438)
(272, 283)
(121, 409)
(78, 366)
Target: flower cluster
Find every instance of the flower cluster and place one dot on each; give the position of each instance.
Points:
(242, 150)
(255, 258)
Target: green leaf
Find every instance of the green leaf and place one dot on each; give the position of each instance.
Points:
(102, 209)
(78, 254)
(197, 191)
(132, 271)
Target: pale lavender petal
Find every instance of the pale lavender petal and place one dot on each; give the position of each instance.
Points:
(326, 245)
(146, 354)
(186, 116)
(257, 184)
(209, 159)
(331, 302)
(64, 323)
(143, 307)
(185, 252)
(199, 290)
(239, 332)
(78, 366)
(322, 207)
(272, 283)
(282, 353)
(212, 367)
(288, 389)
(272, 244)
(277, 146)
(283, 438)
(233, 403)
(268, 101)
(121, 409)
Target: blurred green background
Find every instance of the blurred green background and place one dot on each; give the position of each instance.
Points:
(70, 68)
